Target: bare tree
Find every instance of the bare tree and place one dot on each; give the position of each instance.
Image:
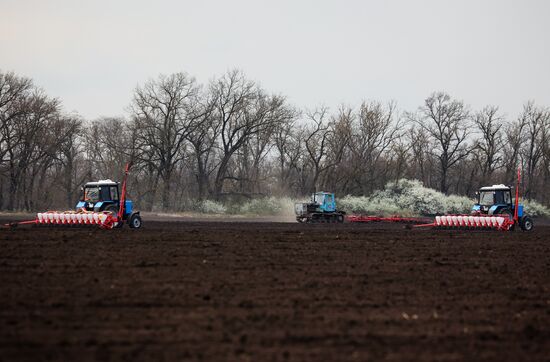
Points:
(543, 195)
(203, 140)
(233, 138)
(13, 92)
(446, 122)
(288, 142)
(514, 139)
(243, 110)
(25, 147)
(317, 144)
(68, 156)
(420, 146)
(374, 132)
(399, 157)
(164, 120)
(336, 168)
(536, 120)
(489, 146)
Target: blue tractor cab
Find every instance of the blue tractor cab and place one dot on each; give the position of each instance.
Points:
(104, 195)
(322, 208)
(325, 201)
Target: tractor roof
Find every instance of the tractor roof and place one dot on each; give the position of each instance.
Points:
(102, 183)
(500, 187)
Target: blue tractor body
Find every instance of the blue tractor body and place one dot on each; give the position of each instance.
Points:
(325, 201)
(103, 195)
(322, 208)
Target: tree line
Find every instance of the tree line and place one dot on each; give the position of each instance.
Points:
(231, 140)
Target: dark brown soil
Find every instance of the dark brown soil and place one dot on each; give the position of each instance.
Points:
(273, 292)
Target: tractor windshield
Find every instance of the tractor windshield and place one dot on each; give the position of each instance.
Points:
(91, 194)
(319, 198)
(486, 198)
(498, 197)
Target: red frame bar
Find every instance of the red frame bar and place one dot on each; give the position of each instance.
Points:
(369, 218)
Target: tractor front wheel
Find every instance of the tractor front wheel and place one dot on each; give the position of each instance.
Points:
(135, 221)
(526, 223)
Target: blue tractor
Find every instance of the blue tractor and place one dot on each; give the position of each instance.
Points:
(321, 209)
(497, 200)
(104, 195)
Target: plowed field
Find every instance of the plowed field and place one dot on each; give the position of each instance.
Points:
(273, 292)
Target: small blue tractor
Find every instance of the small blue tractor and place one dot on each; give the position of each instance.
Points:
(321, 209)
(104, 195)
(497, 200)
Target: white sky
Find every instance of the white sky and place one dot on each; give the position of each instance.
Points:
(92, 54)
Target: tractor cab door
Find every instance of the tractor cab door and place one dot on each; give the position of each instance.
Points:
(109, 198)
(503, 197)
(113, 193)
(499, 198)
(508, 198)
(105, 193)
(329, 204)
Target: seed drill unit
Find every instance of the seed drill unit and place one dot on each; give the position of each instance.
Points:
(101, 204)
(494, 209)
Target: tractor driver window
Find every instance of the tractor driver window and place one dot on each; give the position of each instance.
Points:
(105, 194)
(507, 198)
(320, 199)
(499, 198)
(329, 199)
(114, 193)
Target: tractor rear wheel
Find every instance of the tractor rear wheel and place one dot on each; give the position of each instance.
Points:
(526, 223)
(114, 210)
(135, 221)
(506, 212)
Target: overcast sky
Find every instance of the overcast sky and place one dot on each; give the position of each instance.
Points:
(92, 54)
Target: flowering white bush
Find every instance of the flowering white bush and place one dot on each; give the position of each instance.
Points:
(404, 197)
(263, 206)
(407, 198)
(458, 204)
(533, 208)
(366, 205)
(211, 207)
